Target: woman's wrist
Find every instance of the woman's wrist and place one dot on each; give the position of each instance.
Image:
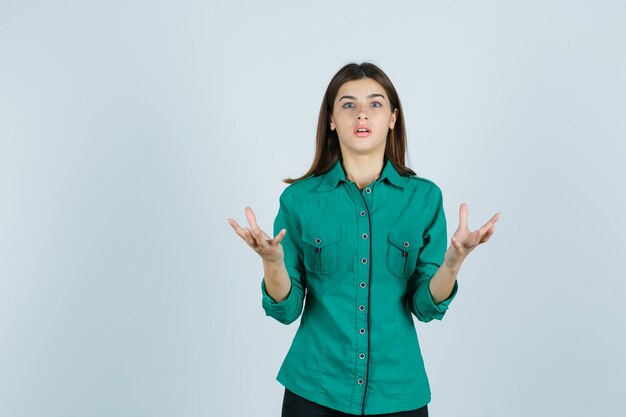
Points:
(453, 260)
(273, 263)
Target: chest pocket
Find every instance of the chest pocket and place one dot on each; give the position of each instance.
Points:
(321, 248)
(404, 245)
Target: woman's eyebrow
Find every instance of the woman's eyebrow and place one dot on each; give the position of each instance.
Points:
(368, 97)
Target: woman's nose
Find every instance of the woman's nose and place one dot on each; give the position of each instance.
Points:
(362, 115)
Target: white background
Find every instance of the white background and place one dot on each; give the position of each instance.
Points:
(130, 132)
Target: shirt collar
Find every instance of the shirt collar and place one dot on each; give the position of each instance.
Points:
(390, 174)
(336, 174)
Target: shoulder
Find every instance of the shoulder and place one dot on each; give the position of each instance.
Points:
(300, 189)
(423, 186)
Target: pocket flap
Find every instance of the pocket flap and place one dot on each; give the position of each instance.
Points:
(320, 236)
(406, 239)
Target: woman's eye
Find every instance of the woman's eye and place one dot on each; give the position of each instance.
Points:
(376, 104)
(348, 105)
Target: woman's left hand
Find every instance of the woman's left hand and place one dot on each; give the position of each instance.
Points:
(464, 241)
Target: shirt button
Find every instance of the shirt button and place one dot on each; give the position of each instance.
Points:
(362, 285)
(363, 213)
(318, 240)
(406, 244)
(362, 331)
(364, 235)
(361, 355)
(359, 381)
(368, 190)
(362, 308)
(364, 261)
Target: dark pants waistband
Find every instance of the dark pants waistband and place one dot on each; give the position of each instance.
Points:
(296, 406)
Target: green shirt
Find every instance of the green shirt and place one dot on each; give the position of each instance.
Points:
(360, 262)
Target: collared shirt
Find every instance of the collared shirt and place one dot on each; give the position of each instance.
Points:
(360, 262)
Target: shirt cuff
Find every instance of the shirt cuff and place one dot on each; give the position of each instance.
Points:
(281, 310)
(432, 310)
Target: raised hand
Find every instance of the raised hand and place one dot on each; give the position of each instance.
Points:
(269, 249)
(464, 241)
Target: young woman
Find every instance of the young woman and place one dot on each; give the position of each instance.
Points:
(360, 245)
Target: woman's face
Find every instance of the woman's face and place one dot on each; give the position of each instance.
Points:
(362, 116)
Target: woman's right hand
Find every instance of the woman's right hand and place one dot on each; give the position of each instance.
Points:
(269, 249)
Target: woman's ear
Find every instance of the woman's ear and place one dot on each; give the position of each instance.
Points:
(332, 123)
(392, 123)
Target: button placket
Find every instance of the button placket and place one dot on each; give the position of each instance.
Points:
(362, 296)
(362, 201)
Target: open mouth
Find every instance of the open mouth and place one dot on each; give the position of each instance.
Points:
(362, 131)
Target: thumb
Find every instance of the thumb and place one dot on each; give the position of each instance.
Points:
(279, 237)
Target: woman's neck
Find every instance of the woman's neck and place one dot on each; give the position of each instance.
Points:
(362, 169)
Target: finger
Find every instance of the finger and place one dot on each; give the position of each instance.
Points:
(234, 225)
(488, 234)
(259, 235)
(240, 231)
(278, 238)
(470, 240)
(251, 218)
(463, 216)
(461, 247)
(489, 224)
(256, 235)
(250, 240)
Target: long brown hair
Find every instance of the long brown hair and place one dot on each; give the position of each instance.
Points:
(327, 150)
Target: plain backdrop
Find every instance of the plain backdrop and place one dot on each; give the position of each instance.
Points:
(131, 130)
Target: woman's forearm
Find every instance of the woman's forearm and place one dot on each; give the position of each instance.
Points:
(277, 282)
(442, 283)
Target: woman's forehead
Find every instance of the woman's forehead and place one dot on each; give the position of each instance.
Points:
(361, 88)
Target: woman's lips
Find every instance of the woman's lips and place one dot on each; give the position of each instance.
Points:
(362, 131)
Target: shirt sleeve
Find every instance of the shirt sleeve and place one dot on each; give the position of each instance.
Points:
(429, 260)
(288, 310)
